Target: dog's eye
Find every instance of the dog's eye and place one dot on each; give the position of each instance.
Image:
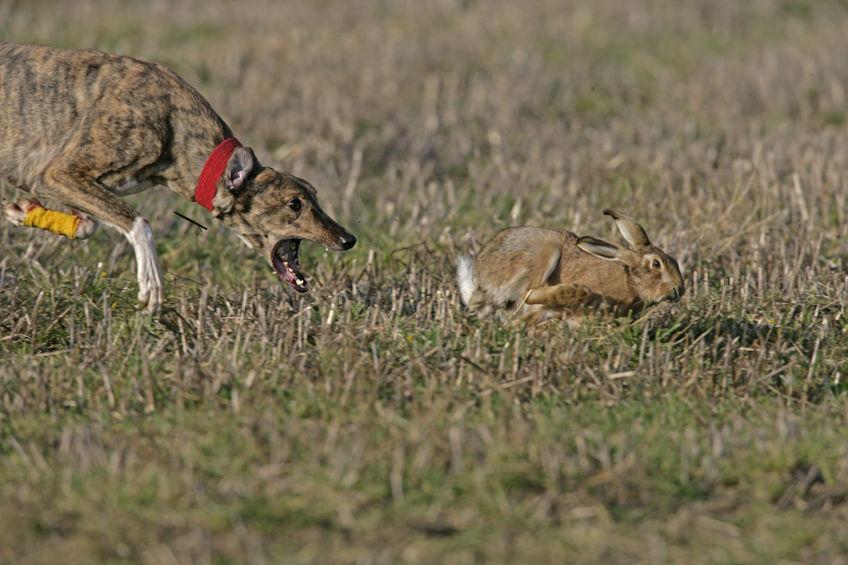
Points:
(656, 264)
(294, 204)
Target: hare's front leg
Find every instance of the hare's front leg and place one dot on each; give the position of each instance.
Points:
(527, 315)
(557, 301)
(561, 296)
(544, 303)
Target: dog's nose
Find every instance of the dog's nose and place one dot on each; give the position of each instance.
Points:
(348, 240)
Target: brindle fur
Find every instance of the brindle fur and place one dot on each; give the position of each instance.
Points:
(554, 273)
(82, 128)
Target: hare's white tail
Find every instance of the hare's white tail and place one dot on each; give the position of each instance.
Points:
(465, 278)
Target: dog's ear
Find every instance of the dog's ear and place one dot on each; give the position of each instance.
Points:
(239, 168)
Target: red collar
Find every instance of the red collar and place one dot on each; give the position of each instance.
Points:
(204, 192)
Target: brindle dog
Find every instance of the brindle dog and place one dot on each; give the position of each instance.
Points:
(83, 128)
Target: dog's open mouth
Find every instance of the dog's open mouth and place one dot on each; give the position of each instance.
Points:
(284, 257)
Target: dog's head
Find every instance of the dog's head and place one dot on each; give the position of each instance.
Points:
(272, 212)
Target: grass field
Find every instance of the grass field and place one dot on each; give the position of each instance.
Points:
(374, 420)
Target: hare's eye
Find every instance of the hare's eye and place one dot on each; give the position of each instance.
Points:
(294, 204)
(656, 264)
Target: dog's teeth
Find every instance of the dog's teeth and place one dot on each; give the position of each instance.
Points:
(299, 282)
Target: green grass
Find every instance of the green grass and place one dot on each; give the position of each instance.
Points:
(374, 419)
(339, 480)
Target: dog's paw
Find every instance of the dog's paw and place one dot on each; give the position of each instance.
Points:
(150, 287)
(15, 212)
(150, 281)
(150, 292)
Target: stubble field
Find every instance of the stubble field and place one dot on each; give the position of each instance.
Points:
(374, 420)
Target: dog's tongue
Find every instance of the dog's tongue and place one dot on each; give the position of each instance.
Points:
(286, 264)
(294, 278)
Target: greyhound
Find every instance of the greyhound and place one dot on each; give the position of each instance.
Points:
(83, 128)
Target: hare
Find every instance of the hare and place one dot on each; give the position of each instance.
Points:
(551, 273)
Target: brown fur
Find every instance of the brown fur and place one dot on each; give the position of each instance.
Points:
(82, 128)
(546, 273)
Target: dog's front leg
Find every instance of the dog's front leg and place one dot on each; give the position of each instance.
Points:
(150, 280)
(81, 228)
(89, 196)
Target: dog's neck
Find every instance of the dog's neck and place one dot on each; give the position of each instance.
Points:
(215, 166)
(209, 136)
(197, 140)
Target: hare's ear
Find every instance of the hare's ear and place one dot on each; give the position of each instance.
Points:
(600, 248)
(633, 233)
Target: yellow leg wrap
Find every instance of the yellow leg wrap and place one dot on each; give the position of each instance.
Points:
(54, 221)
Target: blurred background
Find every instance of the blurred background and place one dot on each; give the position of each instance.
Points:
(424, 118)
